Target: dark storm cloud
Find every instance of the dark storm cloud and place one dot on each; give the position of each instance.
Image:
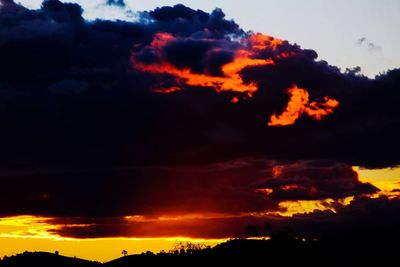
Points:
(185, 21)
(367, 219)
(117, 227)
(241, 186)
(77, 117)
(200, 55)
(316, 180)
(120, 3)
(142, 190)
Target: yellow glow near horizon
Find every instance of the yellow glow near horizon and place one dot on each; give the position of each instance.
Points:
(102, 249)
(386, 179)
(308, 206)
(26, 226)
(31, 233)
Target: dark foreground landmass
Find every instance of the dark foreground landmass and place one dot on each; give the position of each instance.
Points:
(240, 252)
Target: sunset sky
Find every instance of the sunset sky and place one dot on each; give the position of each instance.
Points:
(137, 125)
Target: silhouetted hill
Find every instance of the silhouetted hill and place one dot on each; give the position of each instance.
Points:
(281, 251)
(44, 259)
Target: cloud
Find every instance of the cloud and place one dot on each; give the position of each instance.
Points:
(308, 180)
(119, 3)
(241, 186)
(299, 104)
(378, 217)
(364, 42)
(93, 127)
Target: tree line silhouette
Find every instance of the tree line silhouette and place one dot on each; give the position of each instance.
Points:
(281, 250)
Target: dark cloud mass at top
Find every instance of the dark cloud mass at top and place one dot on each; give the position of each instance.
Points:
(84, 133)
(120, 3)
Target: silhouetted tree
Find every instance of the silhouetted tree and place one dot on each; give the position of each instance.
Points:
(149, 253)
(124, 252)
(188, 247)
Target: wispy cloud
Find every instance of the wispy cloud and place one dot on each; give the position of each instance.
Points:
(363, 42)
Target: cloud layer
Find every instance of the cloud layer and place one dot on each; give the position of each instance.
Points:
(172, 115)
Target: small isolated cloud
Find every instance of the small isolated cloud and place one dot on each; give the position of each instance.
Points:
(120, 3)
(372, 47)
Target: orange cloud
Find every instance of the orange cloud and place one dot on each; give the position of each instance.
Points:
(299, 104)
(231, 79)
(261, 41)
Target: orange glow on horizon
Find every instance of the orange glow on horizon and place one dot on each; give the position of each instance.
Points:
(34, 233)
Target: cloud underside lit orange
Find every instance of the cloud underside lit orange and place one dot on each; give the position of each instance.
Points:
(189, 225)
(299, 104)
(182, 126)
(231, 79)
(197, 225)
(155, 233)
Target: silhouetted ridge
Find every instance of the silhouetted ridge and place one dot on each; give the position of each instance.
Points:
(44, 259)
(280, 251)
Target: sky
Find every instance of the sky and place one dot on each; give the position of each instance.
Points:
(332, 28)
(149, 128)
